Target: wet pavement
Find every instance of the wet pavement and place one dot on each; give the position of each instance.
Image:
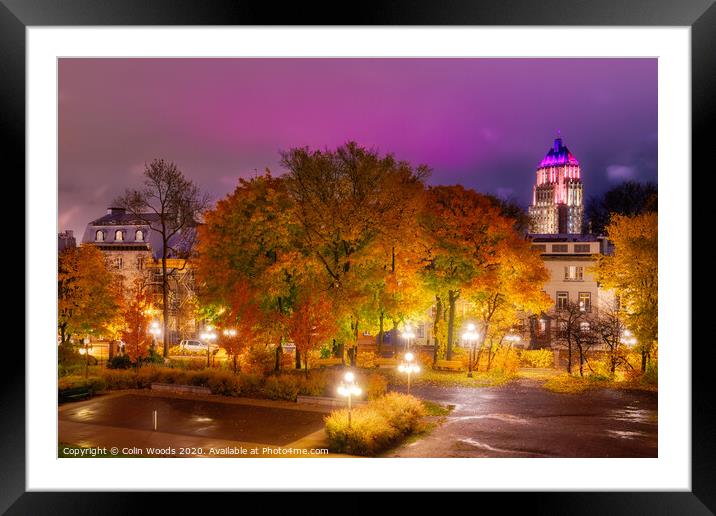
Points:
(521, 419)
(200, 418)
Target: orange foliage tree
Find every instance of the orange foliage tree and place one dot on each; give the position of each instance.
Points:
(311, 324)
(136, 322)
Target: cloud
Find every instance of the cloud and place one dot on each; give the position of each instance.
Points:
(621, 173)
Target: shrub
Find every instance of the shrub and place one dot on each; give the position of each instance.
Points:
(224, 383)
(93, 383)
(368, 433)
(120, 362)
(537, 358)
(120, 379)
(367, 360)
(376, 386)
(257, 360)
(314, 385)
(375, 426)
(281, 387)
(249, 384)
(505, 361)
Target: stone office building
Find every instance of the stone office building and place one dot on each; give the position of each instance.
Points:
(133, 249)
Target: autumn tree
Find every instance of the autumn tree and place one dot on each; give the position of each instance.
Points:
(510, 287)
(248, 245)
(311, 324)
(170, 204)
(462, 229)
(87, 293)
(240, 322)
(135, 313)
(632, 272)
(346, 201)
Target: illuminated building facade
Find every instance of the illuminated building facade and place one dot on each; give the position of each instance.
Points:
(557, 197)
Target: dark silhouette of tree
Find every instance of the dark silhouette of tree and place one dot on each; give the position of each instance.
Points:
(169, 203)
(629, 198)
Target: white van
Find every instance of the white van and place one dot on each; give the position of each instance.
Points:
(197, 345)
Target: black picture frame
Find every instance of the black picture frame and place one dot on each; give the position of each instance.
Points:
(700, 15)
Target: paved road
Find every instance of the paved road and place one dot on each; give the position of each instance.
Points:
(190, 417)
(523, 420)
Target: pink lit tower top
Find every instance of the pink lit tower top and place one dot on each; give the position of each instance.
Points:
(557, 197)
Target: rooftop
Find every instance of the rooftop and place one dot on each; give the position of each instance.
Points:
(558, 155)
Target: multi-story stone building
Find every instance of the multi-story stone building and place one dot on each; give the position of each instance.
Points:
(132, 248)
(571, 261)
(557, 200)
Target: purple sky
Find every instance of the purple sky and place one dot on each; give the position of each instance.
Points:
(484, 123)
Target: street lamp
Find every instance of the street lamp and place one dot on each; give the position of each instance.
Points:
(408, 335)
(513, 338)
(208, 336)
(627, 338)
(348, 388)
(156, 331)
(409, 366)
(470, 336)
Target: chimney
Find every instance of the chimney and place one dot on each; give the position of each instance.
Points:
(115, 211)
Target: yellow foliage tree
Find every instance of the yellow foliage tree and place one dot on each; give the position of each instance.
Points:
(633, 273)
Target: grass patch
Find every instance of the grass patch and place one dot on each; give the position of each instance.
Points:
(435, 409)
(435, 378)
(571, 384)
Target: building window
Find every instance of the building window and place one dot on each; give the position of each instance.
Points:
(562, 329)
(420, 333)
(117, 263)
(541, 327)
(585, 301)
(140, 263)
(99, 236)
(581, 248)
(562, 300)
(584, 326)
(574, 273)
(139, 235)
(560, 248)
(540, 247)
(118, 235)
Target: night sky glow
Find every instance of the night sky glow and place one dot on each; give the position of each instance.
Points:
(484, 123)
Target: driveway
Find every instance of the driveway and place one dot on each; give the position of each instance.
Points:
(521, 419)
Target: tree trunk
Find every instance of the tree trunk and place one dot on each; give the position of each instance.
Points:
(436, 327)
(581, 362)
(380, 334)
(569, 356)
(165, 298)
(235, 364)
(643, 360)
(279, 352)
(305, 361)
(298, 359)
(452, 298)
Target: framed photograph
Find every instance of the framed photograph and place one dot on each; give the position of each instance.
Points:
(423, 248)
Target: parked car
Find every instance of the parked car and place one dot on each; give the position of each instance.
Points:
(197, 345)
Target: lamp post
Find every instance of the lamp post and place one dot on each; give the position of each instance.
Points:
(156, 331)
(348, 388)
(208, 336)
(408, 335)
(231, 333)
(409, 366)
(470, 336)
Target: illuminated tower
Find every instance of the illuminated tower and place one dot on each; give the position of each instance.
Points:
(557, 205)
